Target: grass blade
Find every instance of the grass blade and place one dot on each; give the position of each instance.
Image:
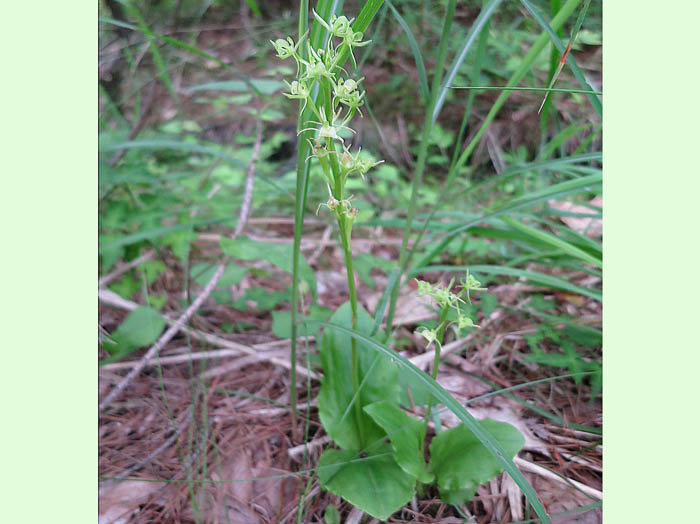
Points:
(479, 23)
(527, 62)
(535, 89)
(557, 191)
(566, 57)
(422, 155)
(553, 241)
(420, 66)
(157, 57)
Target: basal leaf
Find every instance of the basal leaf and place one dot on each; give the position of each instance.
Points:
(407, 435)
(413, 391)
(377, 380)
(374, 483)
(140, 328)
(461, 463)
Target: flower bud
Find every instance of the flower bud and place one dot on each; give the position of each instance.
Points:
(464, 322)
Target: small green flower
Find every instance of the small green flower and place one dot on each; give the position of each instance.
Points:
(355, 164)
(315, 67)
(284, 48)
(464, 322)
(337, 25)
(354, 39)
(347, 93)
(297, 90)
(424, 288)
(328, 127)
(428, 334)
(471, 284)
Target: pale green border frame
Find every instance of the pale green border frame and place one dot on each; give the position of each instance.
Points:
(48, 124)
(651, 195)
(49, 262)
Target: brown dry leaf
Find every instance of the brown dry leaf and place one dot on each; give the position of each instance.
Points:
(245, 501)
(119, 501)
(589, 226)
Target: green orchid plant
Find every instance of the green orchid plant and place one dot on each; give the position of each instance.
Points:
(380, 457)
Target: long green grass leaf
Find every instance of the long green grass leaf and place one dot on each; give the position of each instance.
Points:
(525, 65)
(575, 69)
(552, 240)
(553, 192)
(157, 57)
(420, 66)
(534, 89)
(485, 14)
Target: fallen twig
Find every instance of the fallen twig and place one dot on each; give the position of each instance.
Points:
(111, 277)
(111, 298)
(544, 472)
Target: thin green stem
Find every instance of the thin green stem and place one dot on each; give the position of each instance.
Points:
(436, 361)
(345, 231)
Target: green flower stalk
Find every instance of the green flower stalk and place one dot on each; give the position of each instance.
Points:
(447, 300)
(339, 99)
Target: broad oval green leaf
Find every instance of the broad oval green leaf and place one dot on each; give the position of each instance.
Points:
(377, 379)
(140, 328)
(461, 462)
(375, 483)
(492, 445)
(407, 435)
